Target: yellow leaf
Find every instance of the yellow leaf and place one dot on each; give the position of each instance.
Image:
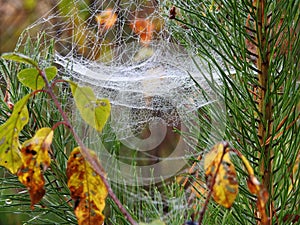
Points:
(87, 189)
(262, 194)
(95, 112)
(225, 186)
(34, 154)
(257, 189)
(106, 19)
(9, 136)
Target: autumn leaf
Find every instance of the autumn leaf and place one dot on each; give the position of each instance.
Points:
(144, 28)
(217, 164)
(9, 136)
(35, 155)
(31, 78)
(106, 19)
(256, 188)
(95, 112)
(87, 189)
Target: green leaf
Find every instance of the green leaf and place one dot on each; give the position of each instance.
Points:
(18, 57)
(93, 111)
(51, 72)
(9, 136)
(155, 222)
(31, 78)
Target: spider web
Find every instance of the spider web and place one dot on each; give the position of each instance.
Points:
(125, 52)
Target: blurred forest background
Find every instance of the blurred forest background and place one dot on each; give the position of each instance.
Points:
(16, 15)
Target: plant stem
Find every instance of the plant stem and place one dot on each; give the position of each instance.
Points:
(265, 102)
(94, 163)
(211, 186)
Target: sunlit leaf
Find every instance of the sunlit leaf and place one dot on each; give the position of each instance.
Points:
(155, 222)
(9, 136)
(87, 189)
(35, 155)
(95, 112)
(30, 77)
(225, 188)
(18, 57)
(106, 19)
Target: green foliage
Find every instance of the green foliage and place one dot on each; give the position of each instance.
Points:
(66, 6)
(17, 57)
(255, 49)
(29, 173)
(94, 111)
(156, 222)
(55, 206)
(35, 151)
(30, 77)
(9, 136)
(258, 63)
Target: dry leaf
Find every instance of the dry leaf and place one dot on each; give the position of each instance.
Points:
(144, 28)
(87, 189)
(225, 186)
(34, 154)
(106, 19)
(256, 188)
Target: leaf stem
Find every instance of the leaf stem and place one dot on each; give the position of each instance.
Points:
(94, 163)
(211, 186)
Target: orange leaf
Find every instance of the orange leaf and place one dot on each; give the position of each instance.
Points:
(256, 188)
(225, 186)
(144, 28)
(34, 154)
(260, 191)
(106, 19)
(87, 189)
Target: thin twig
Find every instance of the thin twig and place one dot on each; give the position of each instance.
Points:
(203, 210)
(94, 163)
(280, 133)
